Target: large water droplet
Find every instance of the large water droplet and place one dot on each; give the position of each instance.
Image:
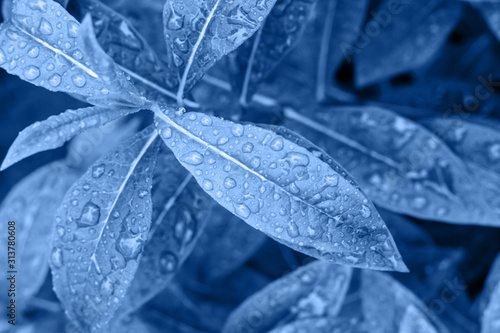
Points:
(229, 183)
(241, 210)
(175, 21)
(255, 162)
(193, 158)
(31, 72)
(107, 287)
(72, 29)
(206, 120)
(365, 211)
(293, 229)
(208, 185)
(90, 215)
(237, 130)
(98, 170)
(57, 257)
(277, 144)
(129, 246)
(167, 262)
(45, 27)
(79, 80)
(247, 147)
(34, 52)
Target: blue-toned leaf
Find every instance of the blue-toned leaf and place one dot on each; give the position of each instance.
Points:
(399, 164)
(323, 325)
(56, 130)
(257, 57)
(123, 43)
(224, 247)
(490, 300)
(316, 290)
(388, 307)
(489, 11)
(180, 211)
(199, 33)
(31, 204)
(87, 147)
(410, 35)
(6, 9)
(338, 23)
(46, 46)
(281, 189)
(100, 231)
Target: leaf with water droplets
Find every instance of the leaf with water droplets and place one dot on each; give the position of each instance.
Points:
(281, 189)
(100, 231)
(225, 245)
(180, 211)
(31, 204)
(396, 309)
(56, 130)
(258, 56)
(400, 165)
(410, 35)
(199, 33)
(46, 46)
(123, 43)
(314, 291)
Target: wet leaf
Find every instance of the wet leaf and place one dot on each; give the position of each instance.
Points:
(56, 130)
(44, 45)
(410, 35)
(281, 189)
(400, 165)
(396, 309)
(100, 231)
(257, 57)
(198, 33)
(31, 204)
(180, 211)
(314, 291)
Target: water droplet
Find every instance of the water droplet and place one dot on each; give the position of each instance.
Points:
(494, 151)
(222, 141)
(167, 133)
(79, 80)
(72, 29)
(143, 193)
(55, 80)
(237, 130)
(419, 202)
(293, 229)
(193, 158)
(229, 183)
(34, 52)
(31, 72)
(365, 211)
(241, 210)
(129, 246)
(167, 262)
(86, 186)
(107, 287)
(98, 170)
(3, 58)
(57, 257)
(207, 185)
(207, 121)
(175, 21)
(277, 144)
(77, 54)
(255, 162)
(90, 215)
(247, 147)
(45, 27)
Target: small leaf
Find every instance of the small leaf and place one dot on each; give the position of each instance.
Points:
(56, 130)
(257, 57)
(199, 33)
(31, 204)
(396, 309)
(100, 231)
(410, 35)
(281, 189)
(400, 165)
(224, 247)
(180, 211)
(314, 291)
(33, 49)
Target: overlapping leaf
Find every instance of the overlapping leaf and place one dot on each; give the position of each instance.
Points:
(56, 130)
(490, 300)
(258, 56)
(314, 291)
(31, 204)
(396, 309)
(180, 211)
(401, 38)
(100, 231)
(281, 189)
(400, 165)
(46, 46)
(198, 34)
